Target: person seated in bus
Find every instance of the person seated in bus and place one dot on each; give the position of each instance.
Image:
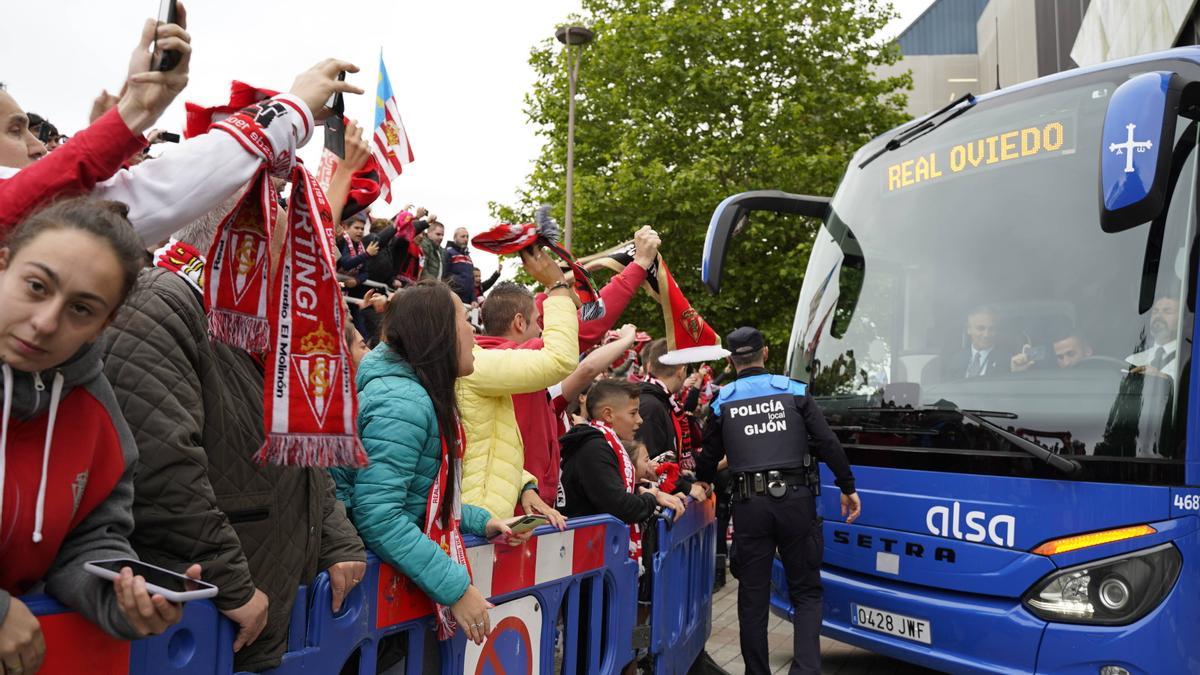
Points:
(67, 456)
(1071, 350)
(1068, 352)
(982, 358)
(1161, 358)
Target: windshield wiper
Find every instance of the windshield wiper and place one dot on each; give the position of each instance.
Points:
(1064, 464)
(980, 418)
(922, 127)
(899, 431)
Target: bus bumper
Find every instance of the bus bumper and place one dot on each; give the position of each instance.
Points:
(969, 634)
(980, 634)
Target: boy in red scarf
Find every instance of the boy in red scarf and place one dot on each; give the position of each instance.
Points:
(598, 474)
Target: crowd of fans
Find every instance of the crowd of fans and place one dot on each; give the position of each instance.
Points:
(130, 431)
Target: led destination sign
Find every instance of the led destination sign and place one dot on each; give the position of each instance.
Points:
(1007, 146)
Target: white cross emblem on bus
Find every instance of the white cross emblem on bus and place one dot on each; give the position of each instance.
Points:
(1129, 146)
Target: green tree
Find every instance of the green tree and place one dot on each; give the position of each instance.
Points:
(684, 103)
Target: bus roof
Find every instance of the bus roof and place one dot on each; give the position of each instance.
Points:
(1179, 53)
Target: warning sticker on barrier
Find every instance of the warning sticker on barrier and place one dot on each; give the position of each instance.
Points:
(514, 645)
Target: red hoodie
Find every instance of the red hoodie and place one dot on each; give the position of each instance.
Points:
(66, 486)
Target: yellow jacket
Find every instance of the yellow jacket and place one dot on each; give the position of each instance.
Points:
(494, 465)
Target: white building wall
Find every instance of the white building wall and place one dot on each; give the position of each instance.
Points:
(937, 79)
(1007, 31)
(1115, 29)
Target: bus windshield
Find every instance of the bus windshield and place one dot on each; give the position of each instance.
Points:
(967, 271)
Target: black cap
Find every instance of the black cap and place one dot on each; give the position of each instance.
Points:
(744, 341)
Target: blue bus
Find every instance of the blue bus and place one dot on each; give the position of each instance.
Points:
(997, 319)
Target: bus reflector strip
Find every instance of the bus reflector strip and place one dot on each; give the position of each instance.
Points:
(1077, 542)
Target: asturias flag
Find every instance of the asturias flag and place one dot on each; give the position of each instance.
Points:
(390, 146)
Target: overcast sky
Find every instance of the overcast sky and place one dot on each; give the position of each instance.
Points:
(459, 70)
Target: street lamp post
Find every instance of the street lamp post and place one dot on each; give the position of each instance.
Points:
(577, 36)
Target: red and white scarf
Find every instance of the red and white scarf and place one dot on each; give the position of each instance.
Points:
(627, 477)
(309, 397)
(235, 282)
(448, 535)
(184, 260)
(353, 249)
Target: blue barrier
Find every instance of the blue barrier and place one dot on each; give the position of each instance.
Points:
(565, 602)
(200, 644)
(683, 568)
(582, 576)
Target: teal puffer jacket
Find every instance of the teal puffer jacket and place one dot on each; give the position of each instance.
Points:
(386, 499)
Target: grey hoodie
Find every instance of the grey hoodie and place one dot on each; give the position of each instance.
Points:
(73, 394)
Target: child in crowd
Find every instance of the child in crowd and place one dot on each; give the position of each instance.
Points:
(598, 474)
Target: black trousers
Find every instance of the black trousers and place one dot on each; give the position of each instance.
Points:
(721, 487)
(789, 524)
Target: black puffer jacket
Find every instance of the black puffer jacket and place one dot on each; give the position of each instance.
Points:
(196, 410)
(658, 424)
(592, 482)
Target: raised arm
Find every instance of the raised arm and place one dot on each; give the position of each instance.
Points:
(96, 153)
(165, 194)
(619, 290)
(598, 362)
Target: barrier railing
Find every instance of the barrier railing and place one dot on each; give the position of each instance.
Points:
(683, 570)
(566, 602)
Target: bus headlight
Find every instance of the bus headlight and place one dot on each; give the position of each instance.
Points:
(1112, 591)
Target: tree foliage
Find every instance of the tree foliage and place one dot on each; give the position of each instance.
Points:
(684, 103)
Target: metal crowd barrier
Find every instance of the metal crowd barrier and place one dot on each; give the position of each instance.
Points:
(683, 569)
(566, 602)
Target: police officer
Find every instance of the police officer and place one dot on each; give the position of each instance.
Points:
(772, 434)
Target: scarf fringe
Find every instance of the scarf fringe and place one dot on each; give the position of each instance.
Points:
(243, 331)
(312, 450)
(445, 625)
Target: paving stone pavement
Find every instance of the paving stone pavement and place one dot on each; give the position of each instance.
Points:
(837, 658)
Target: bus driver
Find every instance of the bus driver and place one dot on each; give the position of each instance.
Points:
(1161, 357)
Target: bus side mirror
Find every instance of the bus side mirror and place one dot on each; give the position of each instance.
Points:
(733, 213)
(1135, 149)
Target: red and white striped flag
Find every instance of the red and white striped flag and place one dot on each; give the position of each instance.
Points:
(389, 145)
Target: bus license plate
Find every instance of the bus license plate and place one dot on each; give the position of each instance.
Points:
(891, 623)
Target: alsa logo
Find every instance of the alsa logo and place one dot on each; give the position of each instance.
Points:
(945, 521)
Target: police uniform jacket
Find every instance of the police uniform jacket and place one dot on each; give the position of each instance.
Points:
(774, 423)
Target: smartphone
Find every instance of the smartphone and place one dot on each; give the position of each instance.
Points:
(528, 523)
(168, 137)
(335, 124)
(172, 586)
(169, 59)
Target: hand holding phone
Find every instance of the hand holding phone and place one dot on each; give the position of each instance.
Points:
(335, 124)
(504, 531)
(171, 585)
(167, 60)
(528, 523)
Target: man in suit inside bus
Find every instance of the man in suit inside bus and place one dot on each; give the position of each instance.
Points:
(981, 358)
(1162, 356)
